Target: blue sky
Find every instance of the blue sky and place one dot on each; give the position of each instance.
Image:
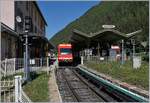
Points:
(59, 14)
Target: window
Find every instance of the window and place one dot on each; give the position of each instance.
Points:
(65, 51)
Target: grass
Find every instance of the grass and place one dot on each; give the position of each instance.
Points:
(37, 89)
(125, 73)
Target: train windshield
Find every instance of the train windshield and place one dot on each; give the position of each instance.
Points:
(65, 51)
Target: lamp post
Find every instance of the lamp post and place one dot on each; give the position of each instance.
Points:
(27, 75)
(27, 27)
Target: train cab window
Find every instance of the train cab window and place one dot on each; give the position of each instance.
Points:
(65, 51)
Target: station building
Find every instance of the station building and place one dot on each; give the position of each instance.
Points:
(12, 41)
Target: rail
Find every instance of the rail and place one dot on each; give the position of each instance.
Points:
(79, 88)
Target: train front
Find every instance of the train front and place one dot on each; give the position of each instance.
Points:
(65, 54)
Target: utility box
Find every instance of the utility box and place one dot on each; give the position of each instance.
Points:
(136, 62)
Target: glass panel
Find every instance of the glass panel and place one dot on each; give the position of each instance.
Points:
(65, 51)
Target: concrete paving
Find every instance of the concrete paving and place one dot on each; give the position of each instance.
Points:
(54, 94)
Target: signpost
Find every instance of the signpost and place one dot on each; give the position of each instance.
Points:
(108, 26)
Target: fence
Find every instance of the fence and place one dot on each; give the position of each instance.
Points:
(96, 59)
(7, 91)
(16, 65)
(11, 91)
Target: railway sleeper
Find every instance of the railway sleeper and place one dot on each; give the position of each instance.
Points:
(103, 95)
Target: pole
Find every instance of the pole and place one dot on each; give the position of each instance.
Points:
(5, 67)
(17, 89)
(47, 59)
(133, 61)
(98, 50)
(14, 65)
(24, 54)
(88, 51)
(26, 58)
(122, 57)
(133, 48)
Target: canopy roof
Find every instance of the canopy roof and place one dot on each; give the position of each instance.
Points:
(83, 40)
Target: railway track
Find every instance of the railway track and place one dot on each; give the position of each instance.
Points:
(74, 87)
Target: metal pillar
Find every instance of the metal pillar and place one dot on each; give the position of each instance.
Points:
(88, 56)
(133, 48)
(122, 55)
(98, 50)
(27, 72)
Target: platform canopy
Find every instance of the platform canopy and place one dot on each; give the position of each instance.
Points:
(106, 36)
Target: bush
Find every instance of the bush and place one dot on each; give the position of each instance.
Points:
(145, 57)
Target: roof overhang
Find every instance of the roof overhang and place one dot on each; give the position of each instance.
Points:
(39, 38)
(5, 28)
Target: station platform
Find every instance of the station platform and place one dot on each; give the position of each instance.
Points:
(54, 94)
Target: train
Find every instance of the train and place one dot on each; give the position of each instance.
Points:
(65, 55)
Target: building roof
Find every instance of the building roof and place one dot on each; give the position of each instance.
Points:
(40, 12)
(5, 28)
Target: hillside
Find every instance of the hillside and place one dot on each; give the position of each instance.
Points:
(125, 15)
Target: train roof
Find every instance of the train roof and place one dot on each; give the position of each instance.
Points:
(64, 45)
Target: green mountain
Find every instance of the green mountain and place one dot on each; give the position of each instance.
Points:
(127, 16)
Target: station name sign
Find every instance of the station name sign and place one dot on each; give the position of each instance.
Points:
(108, 26)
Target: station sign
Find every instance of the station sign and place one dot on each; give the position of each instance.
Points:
(108, 26)
(115, 47)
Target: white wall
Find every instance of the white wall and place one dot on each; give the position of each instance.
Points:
(7, 14)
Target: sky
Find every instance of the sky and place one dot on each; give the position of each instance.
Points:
(59, 14)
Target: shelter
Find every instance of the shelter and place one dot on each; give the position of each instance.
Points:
(101, 40)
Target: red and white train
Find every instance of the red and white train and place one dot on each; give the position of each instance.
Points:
(65, 53)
